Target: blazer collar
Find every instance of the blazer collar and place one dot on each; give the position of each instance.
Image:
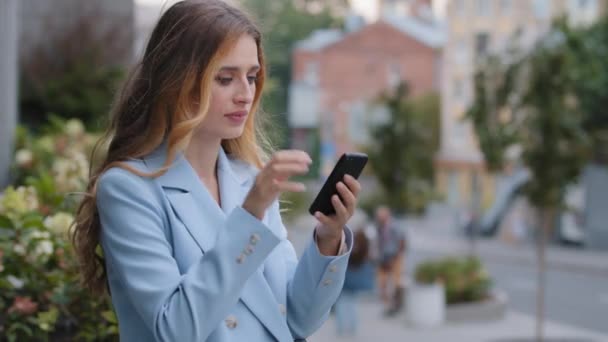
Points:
(180, 172)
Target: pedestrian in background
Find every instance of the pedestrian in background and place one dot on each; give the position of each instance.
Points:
(391, 254)
(359, 277)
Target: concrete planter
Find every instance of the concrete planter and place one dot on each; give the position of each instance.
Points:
(425, 304)
(493, 308)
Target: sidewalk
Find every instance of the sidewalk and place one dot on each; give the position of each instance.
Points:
(434, 237)
(514, 327)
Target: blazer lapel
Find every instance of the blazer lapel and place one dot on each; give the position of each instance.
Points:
(189, 198)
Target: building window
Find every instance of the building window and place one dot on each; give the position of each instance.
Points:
(542, 9)
(453, 191)
(459, 7)
(461, 52)
(393, 75)
(506, 7)
(482, 42)
(458, 90)
(484, 8)
(357, 124)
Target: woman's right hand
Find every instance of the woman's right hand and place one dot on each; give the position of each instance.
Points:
(273, 179)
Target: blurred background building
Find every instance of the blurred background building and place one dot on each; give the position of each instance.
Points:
(337, 75)
(476, 28)
(9, 23)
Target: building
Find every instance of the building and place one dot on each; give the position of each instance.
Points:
(476, 27)
(9, 33)
(336, 75)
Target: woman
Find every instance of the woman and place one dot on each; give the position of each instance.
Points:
(184, 207)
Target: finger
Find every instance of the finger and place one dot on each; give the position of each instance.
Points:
(341, 211)
(348, 198)
(289, 186)
(353, 184)
(285, 171)
(324, 219)
(291, 156)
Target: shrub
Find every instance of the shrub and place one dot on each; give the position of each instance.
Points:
(40, 293)
(464, 278)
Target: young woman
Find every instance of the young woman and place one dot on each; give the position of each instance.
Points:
(185, 204)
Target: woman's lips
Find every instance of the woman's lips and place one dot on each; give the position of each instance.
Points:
(237, 117)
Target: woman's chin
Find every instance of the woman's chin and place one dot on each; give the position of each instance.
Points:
(233, 133)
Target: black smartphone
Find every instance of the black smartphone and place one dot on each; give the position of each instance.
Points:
(349, 163)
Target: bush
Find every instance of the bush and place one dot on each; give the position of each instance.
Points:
(40, 293)
(75, 70)
(464, 278)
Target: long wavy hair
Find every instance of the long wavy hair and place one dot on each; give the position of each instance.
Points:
(155, 105)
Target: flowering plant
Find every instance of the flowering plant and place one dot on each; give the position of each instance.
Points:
(40, 294)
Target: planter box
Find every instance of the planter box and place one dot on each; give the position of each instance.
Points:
(494, 308)
(425, 304)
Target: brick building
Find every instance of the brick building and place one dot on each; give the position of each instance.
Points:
(337, 75)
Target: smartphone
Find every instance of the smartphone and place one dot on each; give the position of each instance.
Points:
(349, 163)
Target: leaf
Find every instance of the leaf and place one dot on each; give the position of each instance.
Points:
(5, 222)
(46, 320)
(110, 316)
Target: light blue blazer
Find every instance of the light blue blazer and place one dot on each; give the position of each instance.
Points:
(180, 268)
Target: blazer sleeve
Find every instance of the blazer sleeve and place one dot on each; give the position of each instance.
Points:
(176, 307)
(314, 282)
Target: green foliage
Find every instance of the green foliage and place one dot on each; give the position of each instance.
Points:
(402, 150)
(282, 24)
(75, 70)
(494, 122)
(40, 294)
(544, 116)
(83, 91)
(591, 83)
(464, 278)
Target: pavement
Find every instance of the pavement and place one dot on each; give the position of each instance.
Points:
(428, 235)
(513, 327)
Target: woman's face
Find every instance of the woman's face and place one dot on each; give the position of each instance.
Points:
(232, 91)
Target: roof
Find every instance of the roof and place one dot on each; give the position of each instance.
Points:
(319, 39)
(432, 34)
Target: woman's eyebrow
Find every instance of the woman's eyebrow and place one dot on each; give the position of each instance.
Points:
(235, 68)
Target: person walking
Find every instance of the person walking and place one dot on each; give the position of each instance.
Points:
(391, 254)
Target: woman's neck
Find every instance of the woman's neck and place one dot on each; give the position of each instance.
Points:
(203, 154)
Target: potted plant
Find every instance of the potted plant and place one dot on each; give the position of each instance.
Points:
(425, 304)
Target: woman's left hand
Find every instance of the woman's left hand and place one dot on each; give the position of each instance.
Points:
(329, 232)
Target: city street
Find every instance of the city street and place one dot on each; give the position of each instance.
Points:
(576, 299)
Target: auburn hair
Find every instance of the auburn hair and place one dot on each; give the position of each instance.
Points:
(155, 105)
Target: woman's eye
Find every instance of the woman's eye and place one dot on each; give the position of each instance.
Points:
(224, 80)
(252, 79)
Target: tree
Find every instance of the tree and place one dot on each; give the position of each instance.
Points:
(402, 149)
(591, 77)
(539, 92)
(283, 23)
